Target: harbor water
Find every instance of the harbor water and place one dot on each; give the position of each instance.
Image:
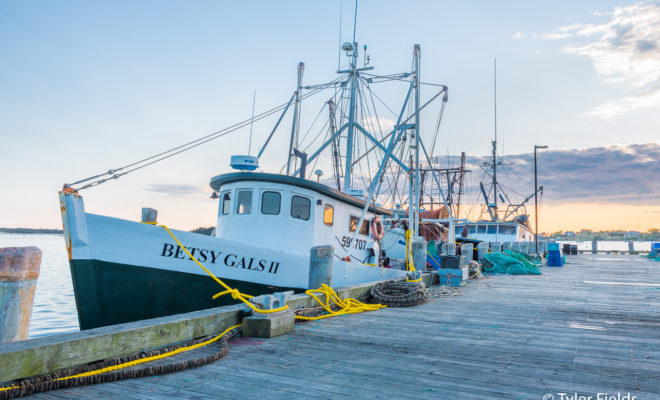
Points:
(54, 309)
(54, 304)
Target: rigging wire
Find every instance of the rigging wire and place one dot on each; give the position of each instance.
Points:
(181, 148)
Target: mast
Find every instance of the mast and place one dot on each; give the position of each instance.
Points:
(415, 205)
(460, 184)
(351, 118)
(293, 143)
(335, 148)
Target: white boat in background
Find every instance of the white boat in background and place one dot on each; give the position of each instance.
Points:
(495, 231)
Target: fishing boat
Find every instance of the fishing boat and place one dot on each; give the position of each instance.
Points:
(267, 223)
(502, 220)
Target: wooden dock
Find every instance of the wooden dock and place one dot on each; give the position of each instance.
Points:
(592, 326)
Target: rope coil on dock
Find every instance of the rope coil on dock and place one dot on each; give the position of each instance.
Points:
(399, 294)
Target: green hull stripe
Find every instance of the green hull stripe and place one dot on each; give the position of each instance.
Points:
(110, 293)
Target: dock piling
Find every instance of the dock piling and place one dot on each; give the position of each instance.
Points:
(19, 270)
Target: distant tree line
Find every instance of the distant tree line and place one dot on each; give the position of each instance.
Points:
(32, 230)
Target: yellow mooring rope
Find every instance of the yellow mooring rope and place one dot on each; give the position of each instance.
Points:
(347, 306)
(153, 358)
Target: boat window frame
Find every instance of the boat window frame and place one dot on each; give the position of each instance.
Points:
(222, 202)
(482, 227)
(279, 202)
(365, 224)
(326, 207)
(238, 203)
(513, 229)
(488, 231)
(309, 207)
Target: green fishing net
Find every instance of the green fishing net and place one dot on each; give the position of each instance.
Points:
(510, 262)
(525, 258)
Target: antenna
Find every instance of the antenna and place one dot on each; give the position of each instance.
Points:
(495, 80)
(495, 144)
(355, 20)
(341, 13)
(254, 97)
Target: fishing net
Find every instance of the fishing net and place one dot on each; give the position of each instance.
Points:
(654, 256)
(525, 258)
(509, 262)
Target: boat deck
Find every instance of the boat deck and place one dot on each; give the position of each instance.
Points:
(574, 329)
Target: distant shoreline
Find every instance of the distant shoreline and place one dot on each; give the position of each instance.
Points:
(32, 231)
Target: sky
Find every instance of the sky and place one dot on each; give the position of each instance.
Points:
(91, 86)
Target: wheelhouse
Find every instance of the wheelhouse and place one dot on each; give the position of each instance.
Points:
(495, 231)
(292, 214)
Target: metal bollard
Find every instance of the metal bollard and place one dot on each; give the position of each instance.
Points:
(19, 270)
(320, 266)
(149, 215)
(419, 255)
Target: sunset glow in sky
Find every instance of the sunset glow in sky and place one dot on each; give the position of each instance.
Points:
(90, 86)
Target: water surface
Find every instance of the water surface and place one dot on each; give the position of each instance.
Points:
(54, 308)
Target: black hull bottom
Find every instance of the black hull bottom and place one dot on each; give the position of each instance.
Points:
(110, 293)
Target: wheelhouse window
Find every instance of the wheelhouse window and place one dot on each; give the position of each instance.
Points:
(300, 207)
(481, 228)
(507, 230)
(364, 229)
(270, 203)
(492, 229)
(328, 214)
(472, 229)
(225, 204)
(244, 202)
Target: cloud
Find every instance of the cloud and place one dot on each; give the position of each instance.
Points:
(518, 35)
(373, 124)
(623, 49)
(648, 99)
(175, 190)
(614, 174)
